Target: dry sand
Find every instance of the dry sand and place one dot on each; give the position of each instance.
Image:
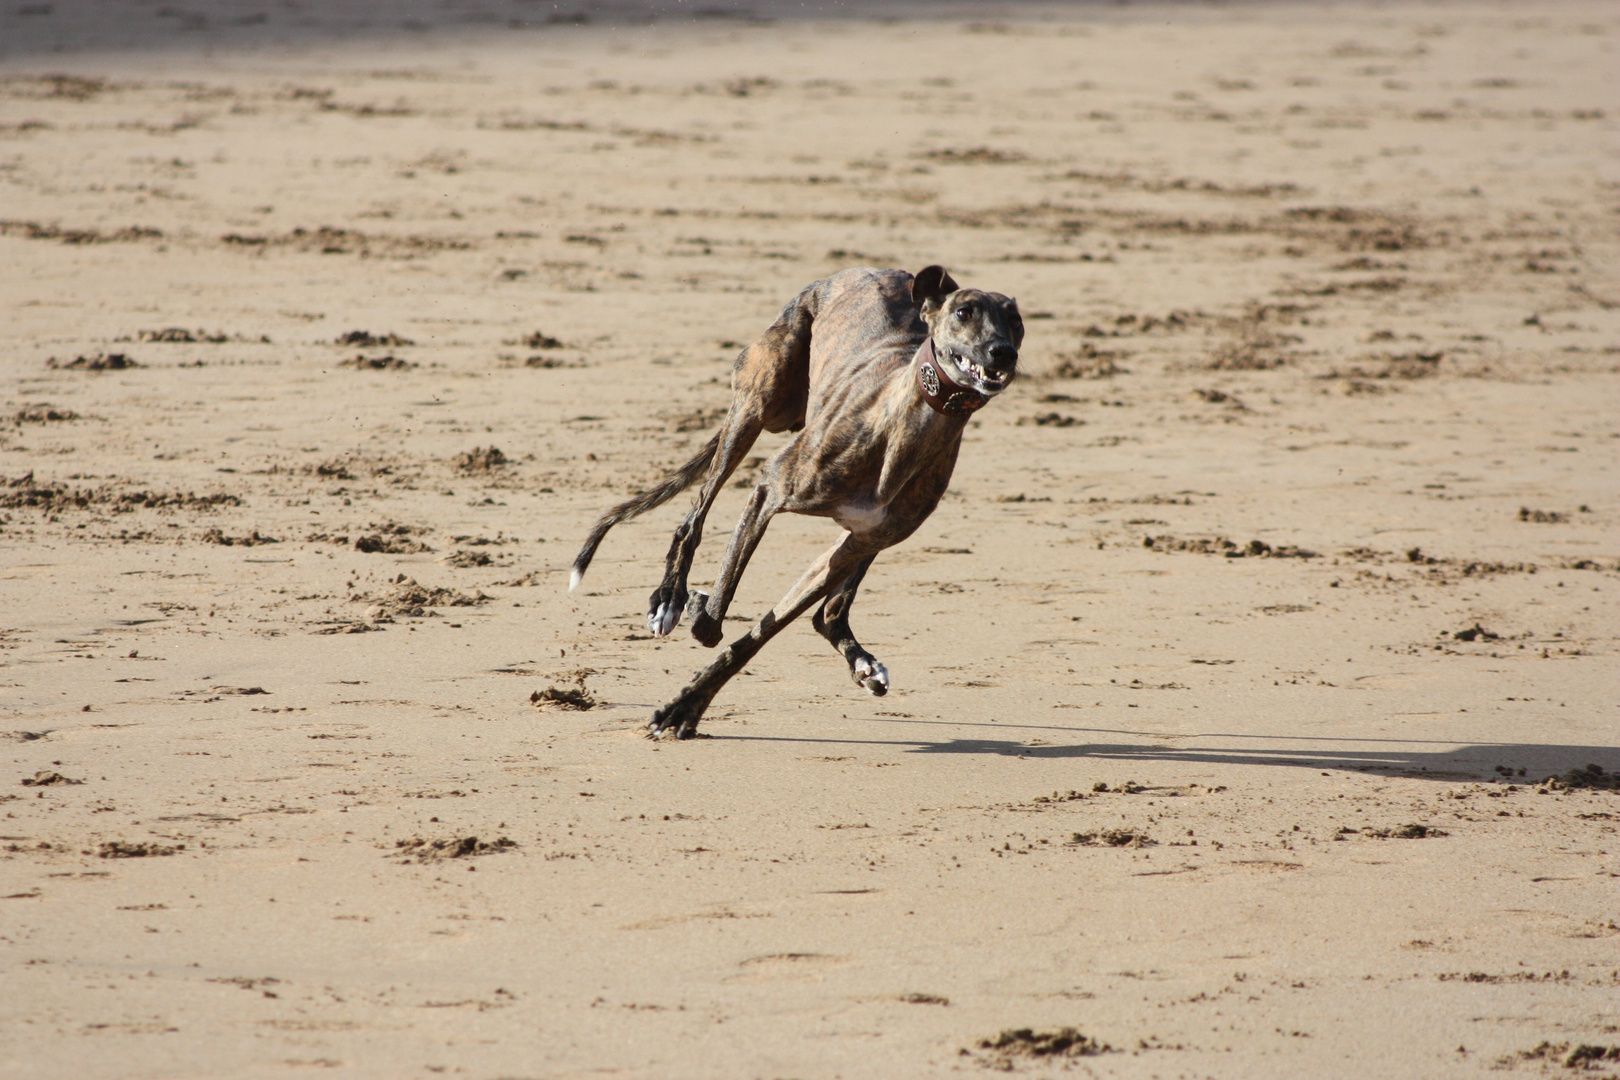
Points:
(1327, 279)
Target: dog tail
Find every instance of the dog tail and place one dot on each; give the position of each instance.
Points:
(677, 482)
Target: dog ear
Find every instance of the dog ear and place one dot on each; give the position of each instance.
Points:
(931, 286)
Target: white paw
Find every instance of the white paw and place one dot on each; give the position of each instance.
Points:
(662, 621)
(873, 676)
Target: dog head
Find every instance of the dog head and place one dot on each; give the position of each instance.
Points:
(976, 334)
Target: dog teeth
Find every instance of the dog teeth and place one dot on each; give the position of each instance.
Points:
(973, 370)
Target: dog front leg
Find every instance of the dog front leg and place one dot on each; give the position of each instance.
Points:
(832, 623)
(680, 717)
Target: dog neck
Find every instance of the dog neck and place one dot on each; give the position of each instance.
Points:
(938, 389)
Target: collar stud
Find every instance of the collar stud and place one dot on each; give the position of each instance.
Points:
(944, 395)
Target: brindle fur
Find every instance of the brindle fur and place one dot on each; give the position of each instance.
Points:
(836, 367)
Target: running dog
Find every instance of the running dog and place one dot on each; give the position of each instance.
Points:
(877, 372)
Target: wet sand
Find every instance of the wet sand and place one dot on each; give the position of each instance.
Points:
(1228, 677)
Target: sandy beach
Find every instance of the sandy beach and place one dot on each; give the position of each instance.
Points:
(1254, 708)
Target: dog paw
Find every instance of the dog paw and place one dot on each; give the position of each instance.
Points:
(661, 620)
(707, 629)
(679, 719)
(664, 610)
(872, 676)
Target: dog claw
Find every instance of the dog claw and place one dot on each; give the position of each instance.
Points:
(664, 608)
(677, 720)
(662, 619)
(872, 676)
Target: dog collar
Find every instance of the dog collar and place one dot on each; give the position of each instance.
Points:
(942, 394)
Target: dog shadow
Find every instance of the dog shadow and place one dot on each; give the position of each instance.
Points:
(1429, 759)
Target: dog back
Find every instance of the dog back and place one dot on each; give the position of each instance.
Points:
(866, 326)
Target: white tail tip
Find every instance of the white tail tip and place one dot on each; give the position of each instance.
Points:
(574, 579)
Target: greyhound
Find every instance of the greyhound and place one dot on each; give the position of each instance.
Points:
(878, 372)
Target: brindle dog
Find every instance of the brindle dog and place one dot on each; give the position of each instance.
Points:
(877, 371)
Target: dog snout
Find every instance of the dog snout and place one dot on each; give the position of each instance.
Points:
(1002, 354)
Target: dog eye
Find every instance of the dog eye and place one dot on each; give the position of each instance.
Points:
(964, 313)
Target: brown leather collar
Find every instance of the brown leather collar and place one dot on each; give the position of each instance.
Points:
(942, 394)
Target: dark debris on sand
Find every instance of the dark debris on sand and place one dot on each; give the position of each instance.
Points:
(480, 459)
(377, 363)
(539, 340)
(1592, 778)
(1584, 1056)
(364, 339)
(119, 849)
(1131, 838)
(378, 544)
(1013, 1043)
(1051, 419)
(419, 850)
(575, 698)
(47, 778)
(696, 420)
(1404, 832)
(1220, 545)
(180, 334)
(24, 492)
(406, 597)
(1089, 362)
(42, 413)
(33, 230)
(254, 539)
(98, 362)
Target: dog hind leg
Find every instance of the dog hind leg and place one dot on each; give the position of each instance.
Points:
(770, 384)
(832, 623)
(736, 437)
